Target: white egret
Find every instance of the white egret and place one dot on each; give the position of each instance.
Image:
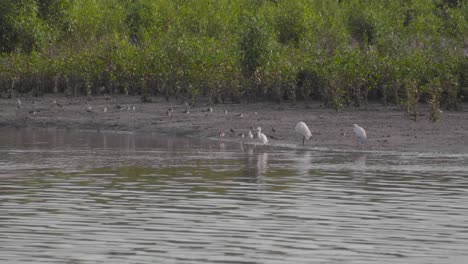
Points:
(19, 103)
(360, 133)
(105, 109)
(221, 134)
(304, 130)
(225, 112)
(250, 135)
(261, 137)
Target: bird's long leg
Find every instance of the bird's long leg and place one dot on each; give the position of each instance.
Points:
(303, 141)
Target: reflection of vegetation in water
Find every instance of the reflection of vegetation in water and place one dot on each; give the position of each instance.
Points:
(341, 52)
(213, 176)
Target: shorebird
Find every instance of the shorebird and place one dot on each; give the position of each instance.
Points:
(18, 103)
(225, 112)
(57, 104)
(304, 130)
(261, 137)
(221, 134)
(105, 109)
(360, 134)
(240, 115)
(89, 108)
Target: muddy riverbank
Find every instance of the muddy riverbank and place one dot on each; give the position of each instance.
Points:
(387, 128)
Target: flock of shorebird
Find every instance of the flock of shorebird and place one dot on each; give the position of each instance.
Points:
(301, 127)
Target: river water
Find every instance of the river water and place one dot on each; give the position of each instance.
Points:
(101, 197)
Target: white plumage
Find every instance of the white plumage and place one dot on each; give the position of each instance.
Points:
(250, 135)
(304, 130)
(261, 137)
(360, 133)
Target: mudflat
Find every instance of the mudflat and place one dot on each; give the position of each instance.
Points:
(388, 128)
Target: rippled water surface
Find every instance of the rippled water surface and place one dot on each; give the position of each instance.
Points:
(86, 197)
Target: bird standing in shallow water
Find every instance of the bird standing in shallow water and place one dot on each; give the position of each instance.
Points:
(304, 130)
(261, 137)
(360, 134)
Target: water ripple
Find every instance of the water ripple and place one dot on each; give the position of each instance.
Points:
(176, 203)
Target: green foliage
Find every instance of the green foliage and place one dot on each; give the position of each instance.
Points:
(340, 52)
(253, 43)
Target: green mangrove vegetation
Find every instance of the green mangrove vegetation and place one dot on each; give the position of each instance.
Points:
(342, 52)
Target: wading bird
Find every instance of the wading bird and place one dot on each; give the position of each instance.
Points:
(304, 130)
(249, 134)
(261, 137)
(19, 103)
(360, 134)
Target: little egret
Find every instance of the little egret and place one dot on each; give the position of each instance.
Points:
(261, 137)
(250, 135)
(304, 130)
(360, 133)
(19, 103)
